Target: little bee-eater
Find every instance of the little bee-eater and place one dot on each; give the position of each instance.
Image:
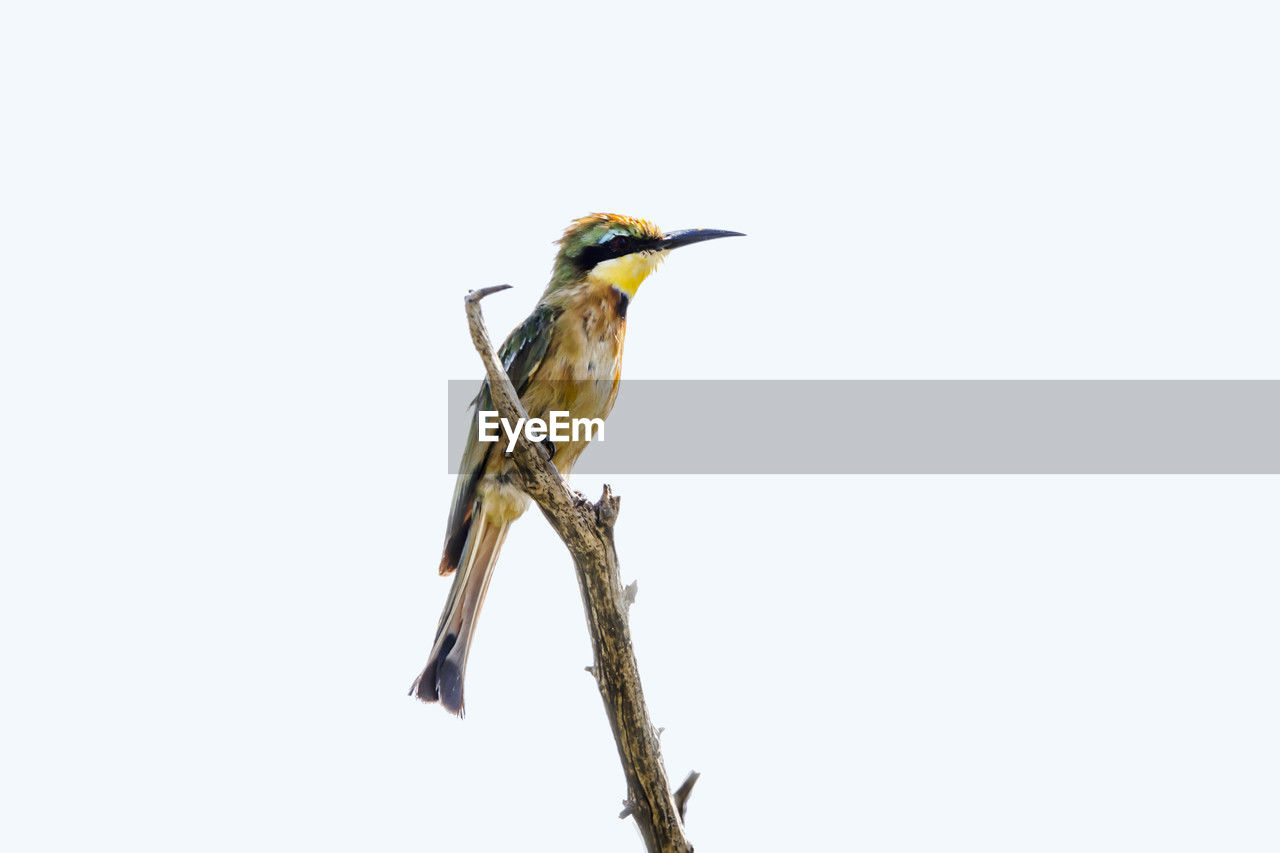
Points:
(566, 357)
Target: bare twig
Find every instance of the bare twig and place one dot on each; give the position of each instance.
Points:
(685, 789)
(587, 531)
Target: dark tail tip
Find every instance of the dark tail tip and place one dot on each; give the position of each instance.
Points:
(441, 679)
(449, 685)
(424, 686)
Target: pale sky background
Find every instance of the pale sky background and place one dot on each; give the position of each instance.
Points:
(234, 240)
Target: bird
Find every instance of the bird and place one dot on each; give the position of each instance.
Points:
(566, 356)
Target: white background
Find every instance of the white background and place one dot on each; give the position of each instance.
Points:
(234, 238)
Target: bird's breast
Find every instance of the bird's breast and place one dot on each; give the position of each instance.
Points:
(591, 332)
(581, 369)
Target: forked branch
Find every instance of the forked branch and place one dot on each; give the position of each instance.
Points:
(587, 531)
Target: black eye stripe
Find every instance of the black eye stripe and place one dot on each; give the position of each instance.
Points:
(616, 247)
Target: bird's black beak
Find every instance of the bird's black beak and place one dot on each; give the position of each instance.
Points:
(676, 239)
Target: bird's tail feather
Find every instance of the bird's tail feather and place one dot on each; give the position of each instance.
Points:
(441, 679)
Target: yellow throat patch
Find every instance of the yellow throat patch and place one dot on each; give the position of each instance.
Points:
(627, 272)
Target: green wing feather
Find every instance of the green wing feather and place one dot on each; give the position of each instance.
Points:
(521, 353)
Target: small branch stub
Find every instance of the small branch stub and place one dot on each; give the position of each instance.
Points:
(607, 507)
(685, 789)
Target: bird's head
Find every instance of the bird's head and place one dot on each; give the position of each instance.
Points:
(619, 250)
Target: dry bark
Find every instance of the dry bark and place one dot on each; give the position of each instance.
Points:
(587, 531)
